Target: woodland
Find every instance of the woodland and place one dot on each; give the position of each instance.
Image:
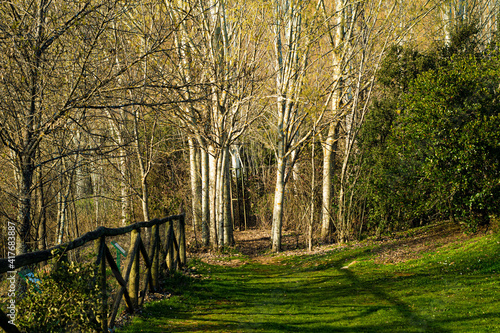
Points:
(337, 120)
(364, 133)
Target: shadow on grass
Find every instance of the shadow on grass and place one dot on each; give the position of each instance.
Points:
(320, 298)
(411, 318)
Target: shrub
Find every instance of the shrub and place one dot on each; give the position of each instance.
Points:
(65, 301)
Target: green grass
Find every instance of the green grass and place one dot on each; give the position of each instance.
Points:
(455, 288)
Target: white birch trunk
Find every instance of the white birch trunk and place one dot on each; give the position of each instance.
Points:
(279, 196)
(342, 220)
(446, 15)
(122, 168)
(312, 204)
(228, 221)
(219, 195)
(194, 172)
(124, 193)
(329, 145)
(327, 182)
(205, 196)
(60, 207)
(96, 178)
(62, 212)
(143, 174)
(213, 195)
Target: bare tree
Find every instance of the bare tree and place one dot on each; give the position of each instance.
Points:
(292, 32)
(482, 13)
(375, 24)
(215, 47)
(55, 62)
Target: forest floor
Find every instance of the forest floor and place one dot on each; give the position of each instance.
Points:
(392, 248)
(434, 278)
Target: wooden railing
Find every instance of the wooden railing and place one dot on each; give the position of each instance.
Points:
(167, 251)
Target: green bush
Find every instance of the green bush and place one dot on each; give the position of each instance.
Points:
(65, 301)
(431, 144)
(450, 123)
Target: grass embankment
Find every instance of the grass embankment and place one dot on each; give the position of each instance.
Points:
(450, 288)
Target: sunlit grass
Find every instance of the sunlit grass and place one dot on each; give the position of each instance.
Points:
(455, 288)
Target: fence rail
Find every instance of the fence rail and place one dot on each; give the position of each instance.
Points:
(170, 249)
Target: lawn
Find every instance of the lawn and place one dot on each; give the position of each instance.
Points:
(453, 287)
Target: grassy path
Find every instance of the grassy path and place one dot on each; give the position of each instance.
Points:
(454, 288)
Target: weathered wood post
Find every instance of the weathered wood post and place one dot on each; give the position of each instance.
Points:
(175, 245)
(155, 258)
(130, 282)
(182, 240)
(170, 246)
(133, 282)
(100, 244)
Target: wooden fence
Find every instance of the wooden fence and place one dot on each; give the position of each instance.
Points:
(167, 250)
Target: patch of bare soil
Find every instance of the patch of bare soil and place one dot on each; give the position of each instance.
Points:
(255, 245)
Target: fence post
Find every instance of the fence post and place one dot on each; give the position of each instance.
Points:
(100, 244)
(155, 257)
(174, 254)
(175, 249)
(170, 246)
(133, 282)
(182, 240)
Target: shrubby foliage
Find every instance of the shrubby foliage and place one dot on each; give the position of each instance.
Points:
(432, 142)
(67, 300)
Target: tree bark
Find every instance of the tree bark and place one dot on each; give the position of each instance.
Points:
(279, 195)
(219, 197)
(194, 175)
(225, 224)
(329, 147)
(213, 195)
(24, 206)
(42, 215)
(205, 198)
(228, 221)
(312, 204)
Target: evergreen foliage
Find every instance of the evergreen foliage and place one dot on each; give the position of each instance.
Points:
(431, 143)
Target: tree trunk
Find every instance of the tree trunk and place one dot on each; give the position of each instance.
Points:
(446, 16)
(144, 163)
(342, 220)
(205, 196)
(279, 195)
(340, 48)
(213, 193)
(63, 198)
(194, 173)
(313, 183)
(329, 147)
(24, 207)
(341, 217)
(228, 221)
(96, 177)
(42, 216)
(124, 190)
(219, 197)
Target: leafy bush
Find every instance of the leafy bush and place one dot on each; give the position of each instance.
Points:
(450, 123)
(431, 144)
(65, 301)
